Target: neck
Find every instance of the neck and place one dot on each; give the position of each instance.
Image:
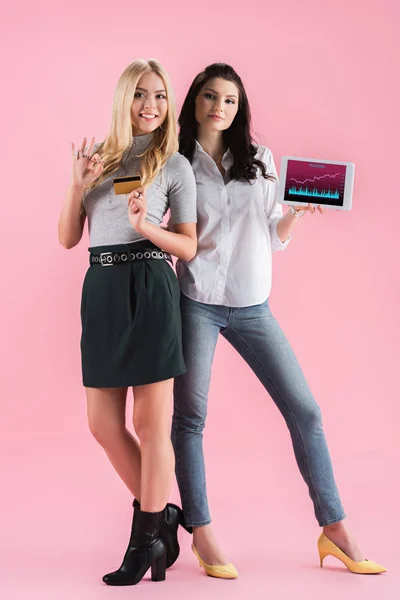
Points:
(212, 143)
(140, 133)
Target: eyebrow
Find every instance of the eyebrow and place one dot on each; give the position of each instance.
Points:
(216, 93)
(157, 92)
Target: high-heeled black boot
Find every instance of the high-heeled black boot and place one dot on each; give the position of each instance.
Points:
(171, 519)
(145, 550)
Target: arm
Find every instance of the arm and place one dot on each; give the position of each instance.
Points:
(280, 226)
(72, 218)
(285, 226)
(180, 239)
(182, 244)
(85, 170)
(287, 223)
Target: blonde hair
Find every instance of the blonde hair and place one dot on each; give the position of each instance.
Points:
(120, 137)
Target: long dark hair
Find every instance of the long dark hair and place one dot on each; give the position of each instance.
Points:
(237, 137)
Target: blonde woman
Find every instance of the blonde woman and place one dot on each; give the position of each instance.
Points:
(131, 325)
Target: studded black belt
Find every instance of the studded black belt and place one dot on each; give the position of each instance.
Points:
(110, 259)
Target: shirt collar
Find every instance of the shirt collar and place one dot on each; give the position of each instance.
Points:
(227, 159)
(140, 142)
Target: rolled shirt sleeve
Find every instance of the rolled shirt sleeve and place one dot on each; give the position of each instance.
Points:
(273, 209)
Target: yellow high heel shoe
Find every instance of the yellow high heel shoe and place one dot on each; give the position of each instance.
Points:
(227, 571)
(363, 567)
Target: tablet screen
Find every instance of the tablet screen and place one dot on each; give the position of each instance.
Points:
(318, 183)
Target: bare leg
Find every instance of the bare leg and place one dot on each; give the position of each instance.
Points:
(339, 535)
(106, 417)
(151, 419)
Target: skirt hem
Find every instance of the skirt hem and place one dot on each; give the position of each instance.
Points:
(148, 381)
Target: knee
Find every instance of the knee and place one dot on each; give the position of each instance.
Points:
(150, 430)
(190, 408)
(191, 397)
(141, 428)
(311, 415)
(105, 433)
(193, 421)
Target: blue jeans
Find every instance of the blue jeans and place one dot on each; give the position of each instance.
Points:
(256, 335)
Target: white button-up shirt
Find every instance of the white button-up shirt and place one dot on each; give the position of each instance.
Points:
(236, 229)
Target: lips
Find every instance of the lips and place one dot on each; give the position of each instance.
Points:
(216, 117)
(148, 116)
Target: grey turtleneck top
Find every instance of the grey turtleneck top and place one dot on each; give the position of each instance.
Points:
(174, 188)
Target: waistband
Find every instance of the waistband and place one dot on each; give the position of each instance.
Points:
(119, 254)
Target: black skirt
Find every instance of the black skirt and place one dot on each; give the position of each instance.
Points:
(131, 322)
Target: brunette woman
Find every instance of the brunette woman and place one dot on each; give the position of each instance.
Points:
(225, 291)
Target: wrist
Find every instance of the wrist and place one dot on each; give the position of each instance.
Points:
(296, 213)
(78, 187)
(143, 228)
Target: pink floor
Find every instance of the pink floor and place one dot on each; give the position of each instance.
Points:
(70, 525)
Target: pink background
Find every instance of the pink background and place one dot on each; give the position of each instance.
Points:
(322, 79)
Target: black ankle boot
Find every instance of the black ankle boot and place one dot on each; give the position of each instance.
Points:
(171, 518)
(145, 550)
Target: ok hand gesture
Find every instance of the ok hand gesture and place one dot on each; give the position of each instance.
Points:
(86, 168)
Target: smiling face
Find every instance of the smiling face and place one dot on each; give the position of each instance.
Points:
(217, 104)
(150, 105)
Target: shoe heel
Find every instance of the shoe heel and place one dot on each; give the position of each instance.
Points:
(158, 569)
(322, 555)
(182, 521)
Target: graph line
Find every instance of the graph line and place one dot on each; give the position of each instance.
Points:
(315, 178)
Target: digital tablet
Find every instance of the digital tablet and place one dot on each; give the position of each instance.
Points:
(314, 181)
